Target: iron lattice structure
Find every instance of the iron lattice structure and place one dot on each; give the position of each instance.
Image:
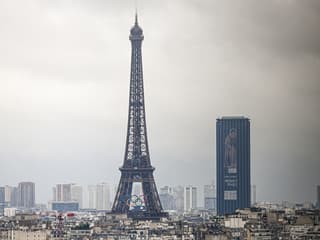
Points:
(137, 166)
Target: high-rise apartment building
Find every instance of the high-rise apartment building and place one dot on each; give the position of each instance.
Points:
(167, 198)
(209, 197)
(166, 190)
(178, 195)
(62, 193)
(77, 194)
(92, 189)
(233, 164)
(190, 198)
(8, 193)
(253, 194)
(26, 194)
(2, 200)
(103, 197)
(14, 197)
(54, 194)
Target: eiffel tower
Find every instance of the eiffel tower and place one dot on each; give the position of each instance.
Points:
(137, 168)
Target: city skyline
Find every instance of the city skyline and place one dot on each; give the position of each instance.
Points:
(64, 81)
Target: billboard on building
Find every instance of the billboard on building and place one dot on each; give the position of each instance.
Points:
(230, 164)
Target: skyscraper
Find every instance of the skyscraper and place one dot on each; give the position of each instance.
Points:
(209, 197)
(233, 164)
(26, 194)
(92, 189)
(2, 200)
(54, 194)
(7, 194)
(178, 195)
(2, 194)
(190, 198)
(77, 194)
(62, 192)
(253, 194)
(103, 196)
(167, 199)
(14, 197)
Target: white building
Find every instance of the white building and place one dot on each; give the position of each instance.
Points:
(77, 194)
(103, 197)
(92, 189)
(62, 193)
(27, 235)
(190, 198)
(253, 194)
(9, 212)
(209, 197)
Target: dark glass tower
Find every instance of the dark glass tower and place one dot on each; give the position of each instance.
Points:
(233, 164)
(137, 169)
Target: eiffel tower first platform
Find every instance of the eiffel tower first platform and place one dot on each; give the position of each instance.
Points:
(137, 169)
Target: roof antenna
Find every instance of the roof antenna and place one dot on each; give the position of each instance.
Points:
(136, 15)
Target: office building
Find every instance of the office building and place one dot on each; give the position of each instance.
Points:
(92, 189)
(190, 198)
(14, 197)
(8, 193)
(166, 190)
(2, 200)
(233, 164)
(167, 198)
(77, 194)
(26, 194)
(62, 193)
(253, 194)
(209, 197)
(178, 195)
(103, 197)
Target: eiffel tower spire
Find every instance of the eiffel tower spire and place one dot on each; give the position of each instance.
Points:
(136, 166)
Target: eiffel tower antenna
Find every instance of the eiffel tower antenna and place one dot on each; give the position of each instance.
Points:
(136, 11)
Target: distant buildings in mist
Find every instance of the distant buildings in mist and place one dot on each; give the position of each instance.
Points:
(71, 196)
(74, 197)
(21, 196)
(233, 189)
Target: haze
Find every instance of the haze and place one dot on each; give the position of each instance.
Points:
(64, 81)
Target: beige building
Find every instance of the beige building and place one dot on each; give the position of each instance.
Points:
(27, 235)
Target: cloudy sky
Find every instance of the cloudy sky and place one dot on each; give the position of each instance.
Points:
(64, 80)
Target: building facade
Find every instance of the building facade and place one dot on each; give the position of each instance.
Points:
(62, 192)
(178, 195)
(77, 194)
(190, 198)
(103, 197)
(2, 200)
(233, 164)
(253, 194)
(209, 197)
(26, 194)
(92, 189)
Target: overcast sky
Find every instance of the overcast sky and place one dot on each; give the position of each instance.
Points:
(64, 82)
